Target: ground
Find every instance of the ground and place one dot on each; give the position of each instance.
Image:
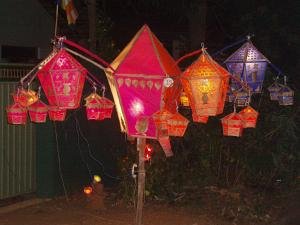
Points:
(221, 207)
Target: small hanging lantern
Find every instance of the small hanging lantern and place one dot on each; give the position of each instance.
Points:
(242, 98)
(97, 107)
(286, 96)
(25, 97)
(274, 91)
(249, 65)
(232, 125)
(249, 117)
(38, 112)
(177, 125)
(62, 79)
(230, 97)
(205, 83)
(200, 119)
(56, 113)
(184, 100)
(16, 114)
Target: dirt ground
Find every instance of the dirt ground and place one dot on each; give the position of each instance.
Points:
(76, 212)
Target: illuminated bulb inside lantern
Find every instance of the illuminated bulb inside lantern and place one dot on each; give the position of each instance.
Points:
(136, 107)
(205, 87)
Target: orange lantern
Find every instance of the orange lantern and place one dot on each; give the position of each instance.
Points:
(38, 112)
(232, 125)
(16, 114)
(177, 125)
(62, 79)
(97, 107)
(249, 117)
(200, 119)
(25, 97)
(160, 119)
(56, 113)
(166, 145)
(206, 84)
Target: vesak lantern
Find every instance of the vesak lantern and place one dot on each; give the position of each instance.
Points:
(25, 97)
(97, 107)
(286, 96)
(143, 81)
(62, 79)
(274, 91)
(56, 113)
(249, 65)
(177, 125)
(160, 119)
(38, 112)
(232, 125)
(16, 114)
(205, 83)
(242, 98)
(249, 117)
(200, 119)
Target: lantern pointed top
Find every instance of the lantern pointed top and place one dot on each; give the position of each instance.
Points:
(145, 55)
(247, 53)
(205, 66)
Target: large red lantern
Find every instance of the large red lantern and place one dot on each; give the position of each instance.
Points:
(97, 107)
(62, 79)
(143, 82)
(25, 97)
(232, 125)
(56, 113)
(16, 114)
(249, 117)
(205, 83)
(38, 112)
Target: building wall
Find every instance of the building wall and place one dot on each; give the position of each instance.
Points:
(25, 23)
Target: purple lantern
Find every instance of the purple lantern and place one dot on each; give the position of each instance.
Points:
(248, 65)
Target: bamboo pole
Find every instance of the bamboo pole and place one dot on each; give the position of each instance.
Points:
(141, 143)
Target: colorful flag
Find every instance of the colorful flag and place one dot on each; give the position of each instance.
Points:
(71, 11)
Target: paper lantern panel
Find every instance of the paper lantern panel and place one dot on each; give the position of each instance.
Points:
(25, 97)
(286, 96)
(177, 125)
(232, 125)
(62, 80)
(56, 113)
(249, 117)
(16, 114)
(38, 112)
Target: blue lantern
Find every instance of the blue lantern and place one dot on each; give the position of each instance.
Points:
(248, 65)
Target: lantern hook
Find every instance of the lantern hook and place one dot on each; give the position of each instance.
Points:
(94, 87)
(285, 80)
(103, 91)
(39, 91)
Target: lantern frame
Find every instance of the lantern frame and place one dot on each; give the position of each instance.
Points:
(56, 113)
(16, 114)
(38, 112)
(249, 117)
(232, 125)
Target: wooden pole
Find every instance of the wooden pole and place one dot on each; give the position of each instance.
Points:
(141, 143)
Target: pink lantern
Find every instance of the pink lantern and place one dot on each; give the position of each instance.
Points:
(249, 117)
(232, 125)
(97, 107)
(56, 113)
(62, 79)
(38, 112)
(143, 82)
(16, 114)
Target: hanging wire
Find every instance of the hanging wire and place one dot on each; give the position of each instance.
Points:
(56, 19)
(59, 163)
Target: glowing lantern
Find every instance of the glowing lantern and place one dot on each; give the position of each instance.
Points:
(274, 91)
(56, 113)
(62, 79)
(97, 107)
(25, 97)
(88, 190)
(143, 82)
(286, 96)
(177, 125)
(200, 119)
(161, 121)
(205, 83)
(249, 65)
(16, 114)
(249, 117)
(232, 125)
(38, 112)
(184, 100)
